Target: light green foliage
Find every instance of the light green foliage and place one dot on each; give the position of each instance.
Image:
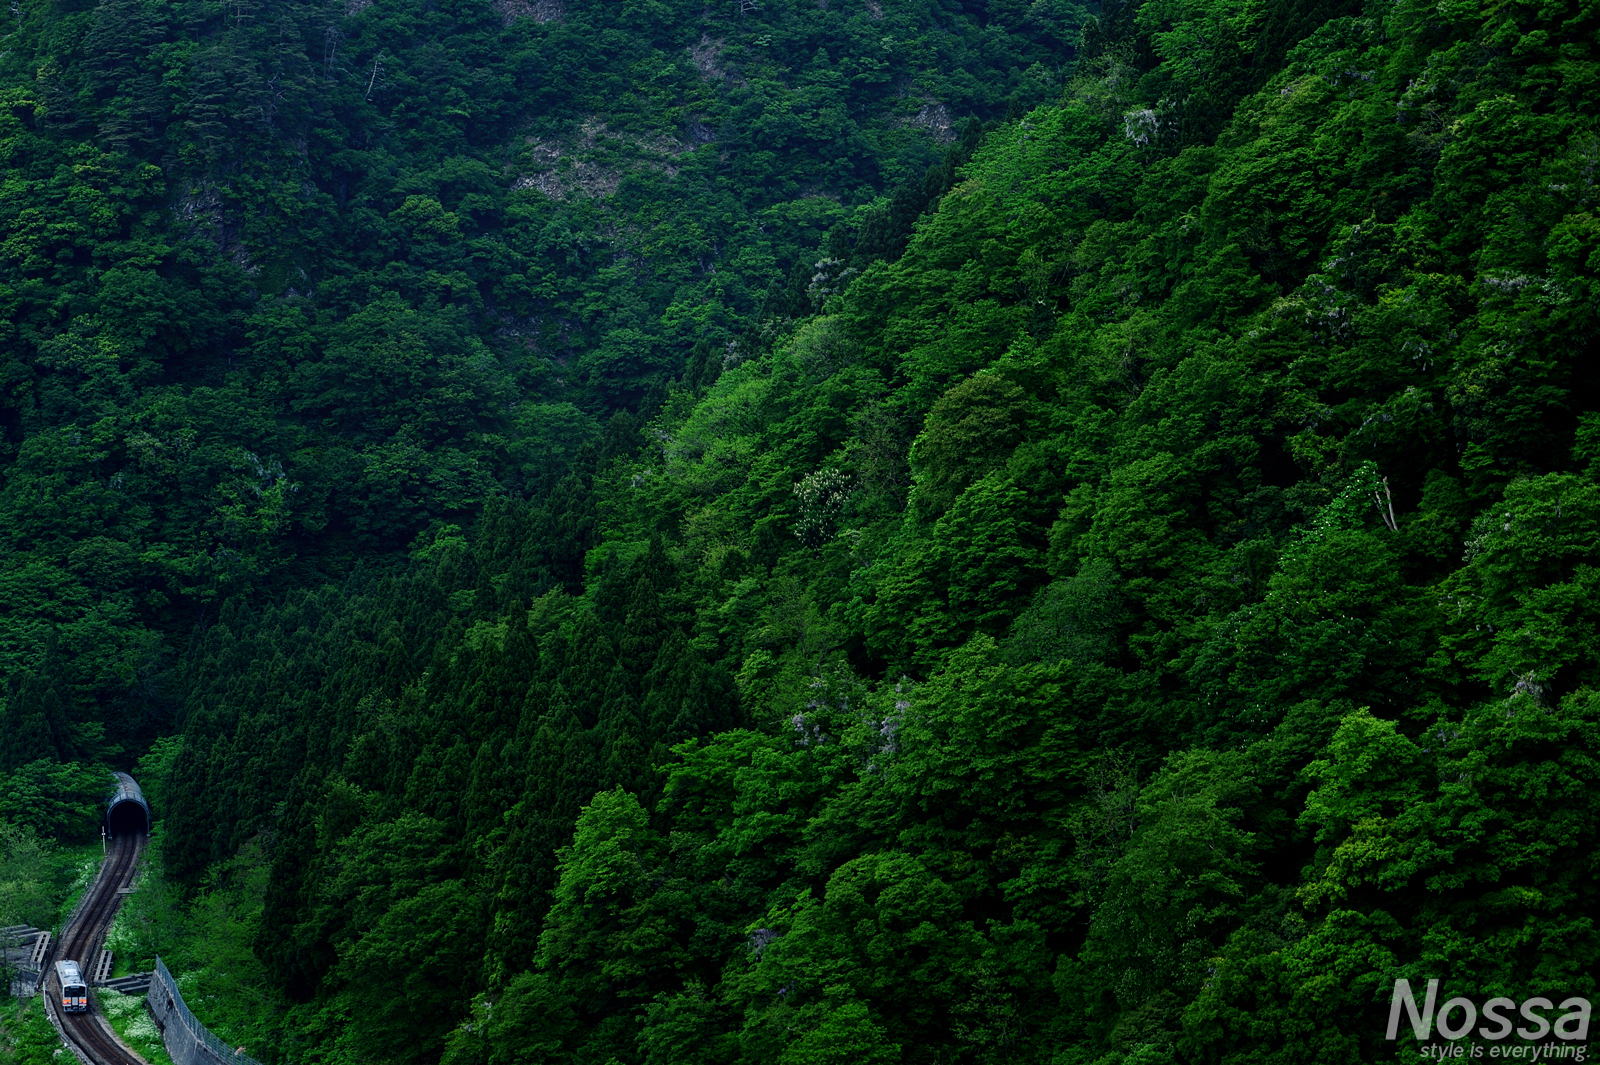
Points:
(40, 882)
(26, 1037)
(62, 802)
(600, 879)
(133, 1024)
(843, 1032)
(1444, 855)
(149, 924)
(970, 430)
(206, 942)
(28, 878)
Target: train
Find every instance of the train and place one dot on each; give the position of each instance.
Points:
(74, 991)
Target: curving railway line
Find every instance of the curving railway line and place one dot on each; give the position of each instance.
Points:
(88, 1033)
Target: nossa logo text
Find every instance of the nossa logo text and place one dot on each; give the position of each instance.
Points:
(1457, 1017)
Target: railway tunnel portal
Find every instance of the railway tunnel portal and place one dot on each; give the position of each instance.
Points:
(127, 812)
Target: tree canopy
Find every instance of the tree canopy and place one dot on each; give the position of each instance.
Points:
(795, 534)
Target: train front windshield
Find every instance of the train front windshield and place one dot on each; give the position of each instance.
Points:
(75, 997)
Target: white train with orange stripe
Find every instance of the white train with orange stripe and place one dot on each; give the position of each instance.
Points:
(74, 990)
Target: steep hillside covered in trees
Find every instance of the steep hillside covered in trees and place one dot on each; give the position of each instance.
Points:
(1130, 611)
(286, 284)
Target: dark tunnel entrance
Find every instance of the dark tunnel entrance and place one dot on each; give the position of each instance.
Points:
(127, 817)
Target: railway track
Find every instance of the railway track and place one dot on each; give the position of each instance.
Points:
(89, 1033)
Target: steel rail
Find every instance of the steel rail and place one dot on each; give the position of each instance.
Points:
(88, 1034)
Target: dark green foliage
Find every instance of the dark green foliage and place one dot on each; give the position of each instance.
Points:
(286, 288)
(672, 565)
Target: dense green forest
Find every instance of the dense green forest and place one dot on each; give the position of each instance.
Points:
(856, 531)
(287, 286)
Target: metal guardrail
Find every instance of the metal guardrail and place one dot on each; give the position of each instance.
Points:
(201, 1033)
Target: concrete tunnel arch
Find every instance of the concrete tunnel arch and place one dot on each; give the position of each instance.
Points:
(127, 811)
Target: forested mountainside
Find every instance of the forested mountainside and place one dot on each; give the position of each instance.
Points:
(287, 284)
(670, 555)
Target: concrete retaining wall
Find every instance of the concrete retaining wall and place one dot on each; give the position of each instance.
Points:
(186, 1039)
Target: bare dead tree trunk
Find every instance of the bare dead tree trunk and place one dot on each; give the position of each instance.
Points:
(377, 68)
(1385, 505)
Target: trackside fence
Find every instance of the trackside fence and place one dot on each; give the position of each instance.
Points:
(187, 1040)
